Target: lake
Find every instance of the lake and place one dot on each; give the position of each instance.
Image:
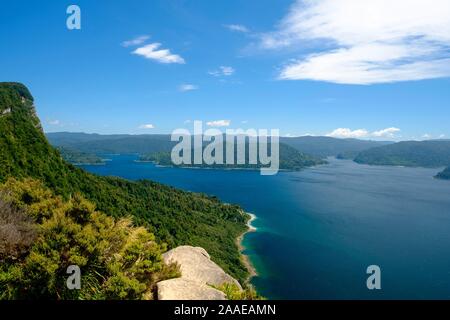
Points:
(319, 229)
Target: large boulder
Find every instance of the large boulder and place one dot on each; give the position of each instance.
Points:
(198, 275)
(184, 289)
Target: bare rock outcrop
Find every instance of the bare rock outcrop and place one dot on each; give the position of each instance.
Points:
(198, 275)
(184, 289)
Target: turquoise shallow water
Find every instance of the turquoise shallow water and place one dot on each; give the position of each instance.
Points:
(319, 229)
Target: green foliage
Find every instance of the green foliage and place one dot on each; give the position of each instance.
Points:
(433, 153)
(175, 217)
(444, 175)
(117, 260)
(78, 158)
(233, 292)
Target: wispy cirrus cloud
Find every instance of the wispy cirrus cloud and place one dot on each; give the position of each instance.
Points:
(222, 71)
(388, 133)
(187, 87)
(152, 52)
(237, 28)
(219, 123)
(365, 41)
(135, 41)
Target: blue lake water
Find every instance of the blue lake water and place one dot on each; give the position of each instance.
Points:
(319, 229)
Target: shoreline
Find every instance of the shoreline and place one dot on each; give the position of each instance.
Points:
(245, 258)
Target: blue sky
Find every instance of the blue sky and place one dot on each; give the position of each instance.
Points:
(303, 67)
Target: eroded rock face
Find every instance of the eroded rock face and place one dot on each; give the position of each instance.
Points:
(198, 273)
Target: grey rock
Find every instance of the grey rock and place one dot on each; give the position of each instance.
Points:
(195, 264)
(198, 274)
(184, 289)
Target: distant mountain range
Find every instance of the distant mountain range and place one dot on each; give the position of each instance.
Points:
(104, 144)
(331, 147)
(320, 147)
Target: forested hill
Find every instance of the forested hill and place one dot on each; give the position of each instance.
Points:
(444, 175)
(432, 153)
(174, 216)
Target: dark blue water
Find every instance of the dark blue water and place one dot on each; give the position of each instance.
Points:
(319, 229)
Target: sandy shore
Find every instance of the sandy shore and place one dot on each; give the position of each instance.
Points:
(251, 269)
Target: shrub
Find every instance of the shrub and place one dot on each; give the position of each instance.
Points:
(117, 260)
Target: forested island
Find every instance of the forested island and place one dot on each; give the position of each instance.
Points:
(290, 159)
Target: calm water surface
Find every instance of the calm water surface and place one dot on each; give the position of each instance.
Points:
(319, 229)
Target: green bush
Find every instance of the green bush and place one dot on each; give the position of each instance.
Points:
(117, 260)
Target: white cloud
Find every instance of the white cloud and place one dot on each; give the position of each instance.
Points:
(363, 133)
(365, 41)
(147, 126)
(348, 133)
(237, 28)
(223, 71)
(289, 135)
(219, 123)
(150, 51)
(136, 41)
(187, 87)
(54, 122)
(442, 136)
(388, 132)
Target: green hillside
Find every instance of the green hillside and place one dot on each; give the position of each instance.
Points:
(432, 153)
(174, 216)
